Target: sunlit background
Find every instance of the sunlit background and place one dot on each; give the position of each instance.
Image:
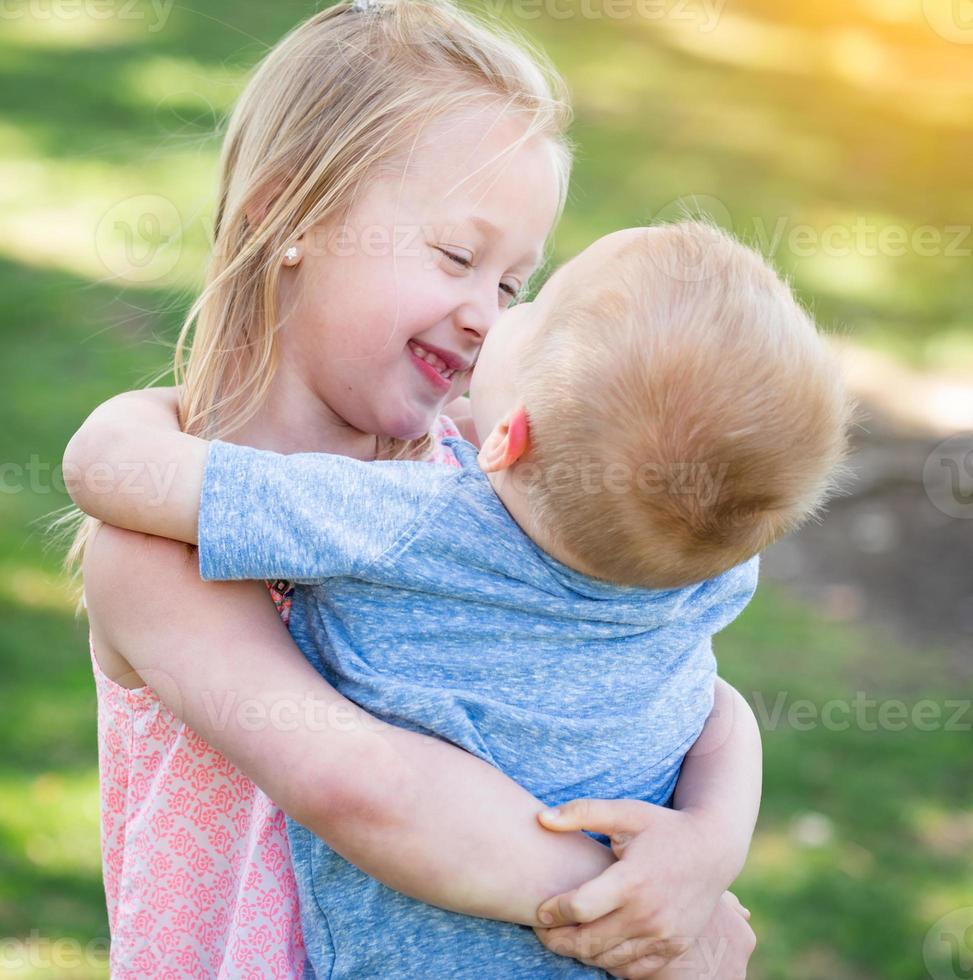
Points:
(835, 135)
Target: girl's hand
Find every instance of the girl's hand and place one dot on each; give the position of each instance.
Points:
(647, 908)
(722, 952)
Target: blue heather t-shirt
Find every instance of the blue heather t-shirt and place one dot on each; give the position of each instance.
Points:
(427, 605)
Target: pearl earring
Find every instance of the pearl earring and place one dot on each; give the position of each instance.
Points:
(291, 255)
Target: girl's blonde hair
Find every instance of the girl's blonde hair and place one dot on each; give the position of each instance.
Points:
(339, 101)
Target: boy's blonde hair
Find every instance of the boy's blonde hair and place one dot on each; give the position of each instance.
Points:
(683, 415)
(340, 100)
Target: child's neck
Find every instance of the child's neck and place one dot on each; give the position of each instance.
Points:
(293, 420)
(508, 488)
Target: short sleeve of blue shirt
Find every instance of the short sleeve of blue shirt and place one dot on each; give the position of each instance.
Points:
(308, 516)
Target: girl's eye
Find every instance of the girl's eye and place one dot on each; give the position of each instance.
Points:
(461, 260)
(512, 291)
(458, 259)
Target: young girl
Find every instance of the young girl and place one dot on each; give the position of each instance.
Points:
(389, 179)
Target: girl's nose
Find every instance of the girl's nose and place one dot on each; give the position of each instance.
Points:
(475, 317)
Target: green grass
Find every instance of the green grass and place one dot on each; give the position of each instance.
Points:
(862, 843)
(864, 835)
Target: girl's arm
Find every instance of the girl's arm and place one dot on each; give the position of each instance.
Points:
(417, 813)
(420, 815)
(717, 789)
(130, 465)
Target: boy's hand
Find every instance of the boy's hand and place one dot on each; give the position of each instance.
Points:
(649, 905)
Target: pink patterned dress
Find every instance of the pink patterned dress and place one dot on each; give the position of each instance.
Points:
(196, 864)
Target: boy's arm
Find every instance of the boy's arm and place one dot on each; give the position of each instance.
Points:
(720, 781)
(254, 514)
(674, 864)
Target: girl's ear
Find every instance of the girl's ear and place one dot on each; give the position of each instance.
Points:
(508, 441)
(260, 201)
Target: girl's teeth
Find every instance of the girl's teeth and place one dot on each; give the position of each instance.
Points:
(431, 359)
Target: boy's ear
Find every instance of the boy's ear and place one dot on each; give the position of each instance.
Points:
(508, 441)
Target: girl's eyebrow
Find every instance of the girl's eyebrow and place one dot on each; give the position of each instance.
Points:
(484, 225)
(490, 229)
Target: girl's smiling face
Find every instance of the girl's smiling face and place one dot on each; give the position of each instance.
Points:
(383, 316)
